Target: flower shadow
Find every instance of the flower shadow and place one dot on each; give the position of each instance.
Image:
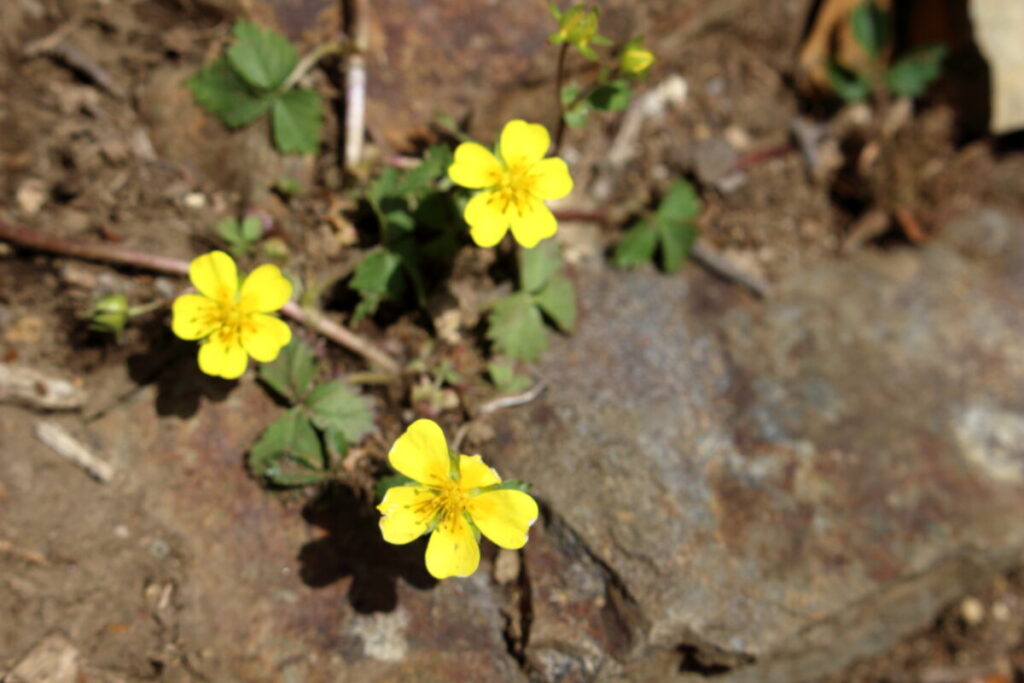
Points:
(354, 547)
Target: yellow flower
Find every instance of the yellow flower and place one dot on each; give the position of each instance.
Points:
(455, 498)
(635, 58)
(514, 186)
(232, 322)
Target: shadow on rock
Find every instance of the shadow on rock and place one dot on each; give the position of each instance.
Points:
(353, 547)
(171, 363)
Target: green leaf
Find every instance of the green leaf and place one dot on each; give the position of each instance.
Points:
(537, 265)
(848, 85)
(290, 436)
(251, 229)
(336, 405)
(301, 478)
(293, 370)
(680, 203)
(263, 57)
(297, 119)
(558, 301)
(569, 93)
(380, 489)
(870, 24)
(377, 277)
(578, 117)
(910, 76)
(336, 444)
(676, 241)
(419, 180)
(637, 245)
(229, 230)
(517, 328)
(219, 90)
(612, 96)
(505, 378)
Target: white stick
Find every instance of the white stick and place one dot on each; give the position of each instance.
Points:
(69, 448)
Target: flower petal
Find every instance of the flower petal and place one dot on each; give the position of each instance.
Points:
(263, 336)
(475, 167)
(215, 275)
(504, 516)
(551, 179)
(265, 290)
(474, 474)
(523, 143)
(421, 453)
(221, 356)
(195, 316)
(408, 512)
(535, 223)
(486, 218)
(452, 549)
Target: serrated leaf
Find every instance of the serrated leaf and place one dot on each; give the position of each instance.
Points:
(680, 203)
(290, 436)
(293, 370)
(676, 241)
(377, 277)
(297, 119)
(537, 265)
(223, 93)
(336, 445)
(636, 246)
(558, 301)
(505, 378)
(569, 94)
(516, 327)
(910, 76)
(336, 405)
(436, 161)
(846, 84)
(614, 96)
(262, 57)
(870, 24)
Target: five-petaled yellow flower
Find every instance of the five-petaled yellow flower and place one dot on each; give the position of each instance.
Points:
(456, 498)
(232, 321)
(514, 186)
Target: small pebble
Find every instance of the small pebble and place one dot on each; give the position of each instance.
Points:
(972, 611)
(194, 200)
(1000, 611)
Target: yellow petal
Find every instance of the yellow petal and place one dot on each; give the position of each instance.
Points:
(504, 516)
(523, 143)
(421, 453)
(263, 336)
(551, 179)
(194, 316)
(408, 511)
(535, 223)
(222, 358)
(452, 549)
(215, 275)
(265, 290)
(486, 218)
(475, 167)
(474, 474)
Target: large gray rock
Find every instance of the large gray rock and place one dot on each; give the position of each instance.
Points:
(775, 489)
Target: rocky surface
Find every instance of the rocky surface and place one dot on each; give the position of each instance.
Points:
(774, 490)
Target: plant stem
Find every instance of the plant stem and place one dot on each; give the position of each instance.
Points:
(563, 50)
(355, 83)
(110, 253)
(308, 62)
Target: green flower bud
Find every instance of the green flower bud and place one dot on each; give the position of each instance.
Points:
(109, 314)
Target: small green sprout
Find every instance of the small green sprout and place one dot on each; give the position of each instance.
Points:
(670, 230)
(259, 73)
(578, 27)
(516, 323)
(306, 444)
(240, 235)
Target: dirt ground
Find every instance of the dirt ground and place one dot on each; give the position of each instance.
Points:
(132, 161)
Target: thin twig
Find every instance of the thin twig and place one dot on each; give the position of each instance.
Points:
(355, 83)
(724, 267)
(494, 405)
(110, 253)
(559, 83)
(307, 63)
(73, 450)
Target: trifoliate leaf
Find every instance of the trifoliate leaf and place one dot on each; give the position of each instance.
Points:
(637, 246)
(910, 76)
(846, 84)
(223, 93)
(336, 405)
(612, 96)
(290, 436)
(680, 203)
(870, 24)
(517, 328)
(293, 370)
(505, 378)
(558, 301)
(297, 119)
(676, 241)
(261, 56)
(537, 265)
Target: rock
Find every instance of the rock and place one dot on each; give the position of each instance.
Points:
(999, 28)
(774, 490)
(52, 660)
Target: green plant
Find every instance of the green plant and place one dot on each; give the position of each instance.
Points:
(516, 323)
(240, 235)
(259, 73)
(306, 444)
(670, 230)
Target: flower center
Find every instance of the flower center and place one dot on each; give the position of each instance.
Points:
(230, 320)
(516, 187)
(451, 501)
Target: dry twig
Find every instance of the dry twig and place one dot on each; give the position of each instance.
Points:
(70, 448)
(355, 83)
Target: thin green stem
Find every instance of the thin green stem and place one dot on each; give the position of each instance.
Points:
(563, 50)
(310, 60)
